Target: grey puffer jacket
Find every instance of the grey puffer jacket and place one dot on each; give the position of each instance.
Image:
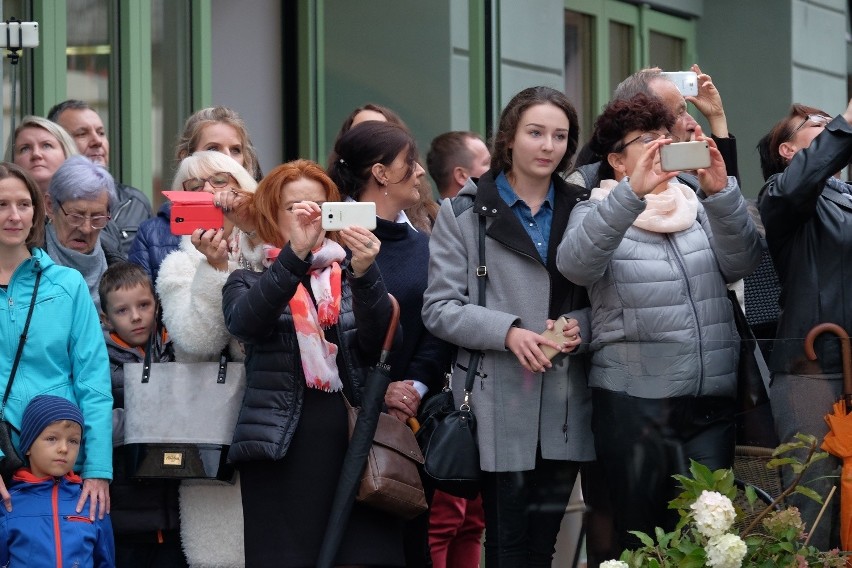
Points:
(662, 323)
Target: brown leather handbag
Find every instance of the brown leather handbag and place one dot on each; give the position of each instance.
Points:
(391, 478)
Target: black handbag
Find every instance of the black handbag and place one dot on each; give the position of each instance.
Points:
(447, 434)
(11, 460)
(755, 426)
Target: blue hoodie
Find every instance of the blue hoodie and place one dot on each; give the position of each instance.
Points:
(45, 530)
(64, 354)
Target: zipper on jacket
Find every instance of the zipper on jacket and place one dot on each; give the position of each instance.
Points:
(121, 209)
(57, 536)
(682, 267)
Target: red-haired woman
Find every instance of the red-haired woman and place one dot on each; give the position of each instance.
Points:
(312, 324)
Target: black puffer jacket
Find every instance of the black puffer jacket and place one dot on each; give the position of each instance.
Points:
(808, 219)
(256, 312)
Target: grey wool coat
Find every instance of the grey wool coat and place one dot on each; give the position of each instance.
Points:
(515, 409)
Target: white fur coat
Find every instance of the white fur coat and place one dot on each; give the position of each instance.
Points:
(190, 292)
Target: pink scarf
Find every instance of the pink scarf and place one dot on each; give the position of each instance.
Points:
(317, 354)
(673, 209)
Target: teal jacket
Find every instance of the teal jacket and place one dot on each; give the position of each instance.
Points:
(64, 354)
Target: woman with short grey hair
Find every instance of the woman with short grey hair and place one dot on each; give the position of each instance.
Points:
(80, 197)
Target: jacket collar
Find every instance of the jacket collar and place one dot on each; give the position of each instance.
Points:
(506, 228)
(26, 476)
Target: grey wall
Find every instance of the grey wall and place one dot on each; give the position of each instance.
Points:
(247, 70)
(764, 55)
(532, 48)
(393, 53)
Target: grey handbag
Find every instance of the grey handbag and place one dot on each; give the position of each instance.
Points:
(179, 418)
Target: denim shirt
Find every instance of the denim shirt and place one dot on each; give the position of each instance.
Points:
(537, 226)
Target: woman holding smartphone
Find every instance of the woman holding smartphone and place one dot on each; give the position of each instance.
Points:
(533, 414)
(312, 323)
(655, 257)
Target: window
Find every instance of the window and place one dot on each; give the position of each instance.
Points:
(89, 55)
(579, 66)
(666, 52)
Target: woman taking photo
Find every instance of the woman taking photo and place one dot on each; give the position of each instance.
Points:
(656, 258)
(312, 323)
(807, 214)
(64, 352)
(533, 414)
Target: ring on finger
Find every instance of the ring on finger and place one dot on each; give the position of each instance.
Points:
(404, 397)
(369, 244)
(217, 203)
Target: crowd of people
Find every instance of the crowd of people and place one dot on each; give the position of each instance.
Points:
(638, 262)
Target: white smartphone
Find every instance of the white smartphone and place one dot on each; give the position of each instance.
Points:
(686, 82)
(685, 156)
(338, 215)
(19, 34)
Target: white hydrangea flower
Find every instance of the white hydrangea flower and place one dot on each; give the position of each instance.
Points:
(614, 564)
(725, 551)
(713, 513)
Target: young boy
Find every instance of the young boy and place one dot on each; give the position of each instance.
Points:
(144, 513)
(44, 528)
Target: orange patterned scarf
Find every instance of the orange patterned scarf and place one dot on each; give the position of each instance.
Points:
(317, 354)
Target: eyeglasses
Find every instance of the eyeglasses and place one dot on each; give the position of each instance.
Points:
(817, 119)
(646, 138)
(77, 220)
(217, 180)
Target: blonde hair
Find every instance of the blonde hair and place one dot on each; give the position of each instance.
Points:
(196, 124)
(69, 148)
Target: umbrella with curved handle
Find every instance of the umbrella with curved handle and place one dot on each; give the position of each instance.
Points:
(360, 442)
(838, 441)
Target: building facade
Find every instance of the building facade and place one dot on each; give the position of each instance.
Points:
(295, 68)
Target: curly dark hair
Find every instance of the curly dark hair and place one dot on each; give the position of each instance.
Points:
(619, 117)
(501, 159)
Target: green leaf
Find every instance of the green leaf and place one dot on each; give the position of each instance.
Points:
(646, 540)
(808, 492)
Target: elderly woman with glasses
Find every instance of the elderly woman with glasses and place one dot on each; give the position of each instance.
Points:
(655, 257)
(807, 213)
(80, 197)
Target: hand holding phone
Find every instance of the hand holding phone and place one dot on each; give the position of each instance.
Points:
(193, 210)
(338, 215)
(685, 81)
(685, 156)
(555, 335)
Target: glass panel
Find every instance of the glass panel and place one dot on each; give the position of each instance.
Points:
(13, 8)
(620, 53)
(666, 52)
(89, 55)
(579, 67)
(170, 88)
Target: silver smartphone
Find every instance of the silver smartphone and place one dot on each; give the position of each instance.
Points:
(338, 215)
(686, 82)
(684, 156)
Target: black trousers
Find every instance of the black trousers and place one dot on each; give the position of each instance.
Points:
(640, 443)
(523, 512)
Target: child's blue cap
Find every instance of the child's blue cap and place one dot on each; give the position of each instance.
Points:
(42, 411)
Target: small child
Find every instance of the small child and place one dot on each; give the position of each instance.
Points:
(145, 513)
(44, 521)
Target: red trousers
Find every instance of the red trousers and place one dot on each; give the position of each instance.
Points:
(455, 531)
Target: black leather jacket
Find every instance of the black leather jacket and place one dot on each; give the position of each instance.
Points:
(809, 232)
(256, 312)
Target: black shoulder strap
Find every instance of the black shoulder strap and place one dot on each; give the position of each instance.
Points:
(481, 275)
(146, 363)
(21, 342)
